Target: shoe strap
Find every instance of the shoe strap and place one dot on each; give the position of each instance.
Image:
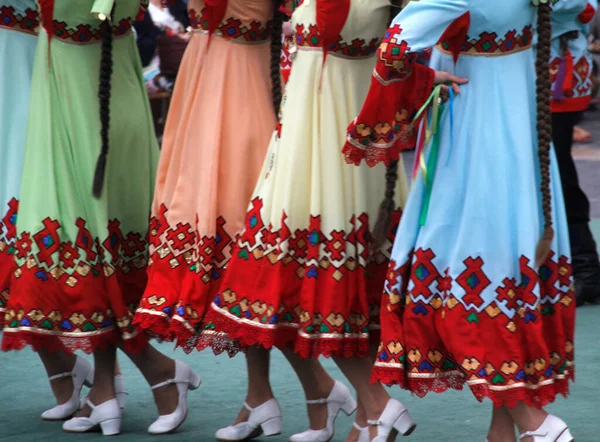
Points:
(248, 407)
(374, 423)
(168, 382)
(89, 403)
(358, 427)
(69, 374)
(532, 434)
(317, 401)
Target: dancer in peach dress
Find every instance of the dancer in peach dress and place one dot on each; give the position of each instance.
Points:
(217, 132)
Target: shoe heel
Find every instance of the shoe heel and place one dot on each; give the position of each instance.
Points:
(405, 425)
(111, 427)
(349, 406)
(272, 427)
(194, 381)
(565, 436)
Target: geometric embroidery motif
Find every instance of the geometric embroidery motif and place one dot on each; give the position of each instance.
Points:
(488, 42)
(357, 48)
(206, 256)
(24, 23)
(87, 256)
(473, 281)
(232, 28)
(86, 33)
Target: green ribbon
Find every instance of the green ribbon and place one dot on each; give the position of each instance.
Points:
(429, 166)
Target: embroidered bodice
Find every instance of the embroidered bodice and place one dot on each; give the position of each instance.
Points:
(241, 21)
(340, 26)
(78, 25)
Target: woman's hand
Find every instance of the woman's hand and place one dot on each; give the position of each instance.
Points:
(447, 79)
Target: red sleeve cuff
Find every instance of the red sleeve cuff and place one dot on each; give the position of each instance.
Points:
(384, 127)
(587, 15)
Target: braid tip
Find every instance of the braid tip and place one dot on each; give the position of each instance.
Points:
(543, 247)
(99, 176)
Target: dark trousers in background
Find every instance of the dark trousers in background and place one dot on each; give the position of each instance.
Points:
(586, 267)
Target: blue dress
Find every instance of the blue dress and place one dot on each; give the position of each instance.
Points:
(18, 39)
(464, 302)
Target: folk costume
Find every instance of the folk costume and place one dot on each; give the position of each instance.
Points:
(465, 302)
(81, 261)
(304, 274)
(218, 128)
(18, 40)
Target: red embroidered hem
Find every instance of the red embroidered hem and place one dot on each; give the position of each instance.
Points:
(244, 336)
(538, 397)
(18, 340)
(7, 267)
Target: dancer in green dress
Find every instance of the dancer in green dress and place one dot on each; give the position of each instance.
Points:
(81, 259)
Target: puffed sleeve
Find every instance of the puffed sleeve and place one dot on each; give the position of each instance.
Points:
(400, 84)
(567, 11)
(102, 8)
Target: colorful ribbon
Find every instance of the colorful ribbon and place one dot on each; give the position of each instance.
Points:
(430, 129)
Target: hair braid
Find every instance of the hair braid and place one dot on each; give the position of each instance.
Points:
(384, 219)
(276, 47)
(106, 69)
(544, 126)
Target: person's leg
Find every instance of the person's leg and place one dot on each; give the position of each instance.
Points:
(157, 368)
(259, 384)
(502, 428)
(527, 418)
(372, 395)
(316, 383)
(360, 420)
(104, 379)
(586, 266)
(57, 363)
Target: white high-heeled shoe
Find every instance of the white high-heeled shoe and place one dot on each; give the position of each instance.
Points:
(107, 416)
(395, 416)
(363, 433)
(263, 420)
(340, 399)
(185, 379)
(552, 429)
(82, 374)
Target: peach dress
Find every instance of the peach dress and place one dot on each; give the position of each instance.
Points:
(217, 132)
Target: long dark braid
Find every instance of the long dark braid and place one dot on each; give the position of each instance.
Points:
(388, 205)
(544, 126)
(276, 47)
(106, 69)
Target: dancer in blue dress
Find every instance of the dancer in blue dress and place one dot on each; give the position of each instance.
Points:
(479, 289)
(18, 40)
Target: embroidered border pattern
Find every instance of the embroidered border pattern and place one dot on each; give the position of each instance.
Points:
(27, 23)
(85, 33)
(488, 43)
(233, 29)
(310, 38)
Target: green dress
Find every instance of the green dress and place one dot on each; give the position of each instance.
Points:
(81, 260)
